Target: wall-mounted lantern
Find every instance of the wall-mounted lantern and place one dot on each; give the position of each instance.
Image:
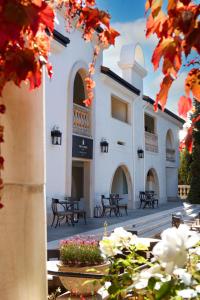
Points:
(56, 136)
(104, 146)
(140, 153)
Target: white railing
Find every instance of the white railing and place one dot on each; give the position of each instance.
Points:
(81, 120)
(170, 154)
(183, 191)
(151, 142)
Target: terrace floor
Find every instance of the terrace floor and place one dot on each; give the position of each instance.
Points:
(96, 225)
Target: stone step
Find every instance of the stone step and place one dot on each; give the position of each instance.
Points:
(157, 225)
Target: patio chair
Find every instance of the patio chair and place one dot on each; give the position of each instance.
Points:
(116, 201)
(60, 213)
(151, 196)
(108, 207)
(144, 199)
(73, 205)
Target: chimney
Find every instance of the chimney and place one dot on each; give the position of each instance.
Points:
(132, 65)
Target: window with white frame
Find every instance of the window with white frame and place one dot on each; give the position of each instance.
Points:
(119, 109)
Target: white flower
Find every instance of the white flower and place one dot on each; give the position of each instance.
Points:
(141, 281)
(187, 293)
(118, 240)
(198, 267)
(103, 291)
(172, 249)
(108, 248)
(198, 289)
(184, 276)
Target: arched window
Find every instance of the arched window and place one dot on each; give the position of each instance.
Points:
(170, 150)
(79, 90)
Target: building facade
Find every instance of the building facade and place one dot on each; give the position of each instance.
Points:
(120, 118)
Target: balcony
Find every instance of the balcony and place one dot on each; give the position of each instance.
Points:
(170, 155)
(81, 120)
(151, 142)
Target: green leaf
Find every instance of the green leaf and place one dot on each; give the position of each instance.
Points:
(165, 288)
(151, 283)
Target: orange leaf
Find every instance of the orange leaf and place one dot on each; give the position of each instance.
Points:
(171, 5)
(161, 97)
(159, 51)
(192, 83)
(156, 7)
(184, 106)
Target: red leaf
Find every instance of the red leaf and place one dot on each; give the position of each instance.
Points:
(2, 108)
(1, 184)
(1, 163)
(184, 106)
(185, 2)
(187, 141)
(87, 102)
(1, 134)
(50, 70)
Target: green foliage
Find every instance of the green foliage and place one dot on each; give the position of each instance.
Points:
(194, 194)
(184, 173)
(164, 277)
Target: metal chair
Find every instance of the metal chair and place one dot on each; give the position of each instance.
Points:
(73, 205)
(108, 207)
(143, 199)
(116, 201)
(60, 213)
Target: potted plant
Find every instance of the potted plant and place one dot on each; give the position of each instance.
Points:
(81, 255)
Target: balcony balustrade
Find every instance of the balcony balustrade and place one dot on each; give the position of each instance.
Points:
(81, 120)
(170, 155)
(183, 191)
(151, 142)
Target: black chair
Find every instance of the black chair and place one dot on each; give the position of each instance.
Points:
(115, 200)
(108, 207)
(60, 213)
(151, 196)
(72, 204)
(144, 199)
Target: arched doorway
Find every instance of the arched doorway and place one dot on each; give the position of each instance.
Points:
(121, 184)
(81, 141)
(152, 183)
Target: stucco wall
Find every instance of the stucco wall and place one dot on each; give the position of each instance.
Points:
(59, 104)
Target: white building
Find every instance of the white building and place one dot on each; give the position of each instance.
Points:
(121, 115)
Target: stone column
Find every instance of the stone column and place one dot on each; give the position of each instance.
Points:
(23, 218)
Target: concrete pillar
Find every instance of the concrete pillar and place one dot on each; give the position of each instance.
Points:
(23, 219)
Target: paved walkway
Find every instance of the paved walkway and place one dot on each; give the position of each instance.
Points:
(97, 224)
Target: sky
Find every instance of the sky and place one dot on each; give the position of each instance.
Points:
(127, 16)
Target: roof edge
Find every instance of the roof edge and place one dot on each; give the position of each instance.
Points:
(117, 78)
(167, 111)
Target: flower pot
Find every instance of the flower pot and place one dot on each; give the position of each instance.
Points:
(82, 286)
